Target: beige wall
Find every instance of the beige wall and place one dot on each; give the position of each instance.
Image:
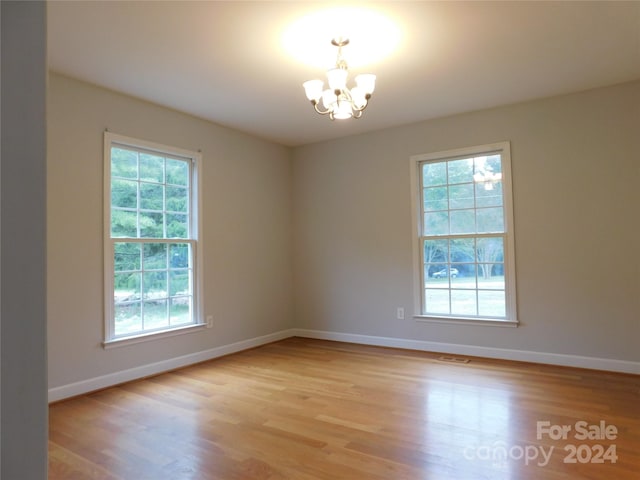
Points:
(576, 178)
(319, 237)
(247, 230)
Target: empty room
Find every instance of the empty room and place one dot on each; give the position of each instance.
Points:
(319, 240)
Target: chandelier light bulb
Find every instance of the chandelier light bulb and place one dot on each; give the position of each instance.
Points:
(343, 110)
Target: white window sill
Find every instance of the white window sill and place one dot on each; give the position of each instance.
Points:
(146, 337)
(485, 322)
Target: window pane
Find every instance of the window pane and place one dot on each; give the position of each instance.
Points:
(177, 199)
(151, 168)
(128, 318)
(177, 172)
(124, 223)
(488, 164)
(434, 174)
(488, 174)
(124, 163)
(124, 193)
(436, 223)
(436, 251)
(179, 282)
(479, 163)
(151, 225)
(469, 274)
(154, 314)
(126, 287)
(126, 256)
(154, 285)
(437, 301)
(463, 302)
(177, 225)
(489, 194)
(490, 249)
(463, 250)
(461, 196)
(490, 276)
(463, 221)
(498, 270)
(437, 275)
(493, 163)
(435, 198)
(151, 196)
(461, 171)
(155, 256)
(179, 255)
(491, 303)
(490, 220)
(180, 310)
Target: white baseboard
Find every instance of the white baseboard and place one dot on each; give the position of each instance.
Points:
(578, 361)
(104, 381)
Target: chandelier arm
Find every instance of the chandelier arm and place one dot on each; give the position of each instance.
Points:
(360, 109)
(347, 93)
(321, 112)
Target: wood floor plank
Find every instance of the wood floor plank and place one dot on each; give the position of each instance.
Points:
(305, 409)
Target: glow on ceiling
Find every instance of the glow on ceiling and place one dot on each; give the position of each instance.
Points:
(372, 37)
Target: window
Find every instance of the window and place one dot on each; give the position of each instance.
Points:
(152, 253)
(464, 248)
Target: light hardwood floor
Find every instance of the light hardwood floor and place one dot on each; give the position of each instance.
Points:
(305, 409)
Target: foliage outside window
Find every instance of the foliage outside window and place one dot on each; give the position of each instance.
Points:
(151, 238)
(465, 239)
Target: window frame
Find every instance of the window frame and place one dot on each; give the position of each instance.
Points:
(193, 238)
(416, 161)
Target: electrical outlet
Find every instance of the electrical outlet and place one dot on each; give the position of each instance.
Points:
(209, 321)
(400, 313)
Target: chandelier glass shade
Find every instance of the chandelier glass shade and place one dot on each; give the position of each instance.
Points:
(338, 101)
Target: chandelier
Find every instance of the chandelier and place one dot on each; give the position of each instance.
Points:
(338, 101)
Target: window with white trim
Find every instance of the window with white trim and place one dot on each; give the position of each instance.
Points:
(464, 245)
(152, 253)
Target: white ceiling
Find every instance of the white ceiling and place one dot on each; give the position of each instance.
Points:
(224, 61)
